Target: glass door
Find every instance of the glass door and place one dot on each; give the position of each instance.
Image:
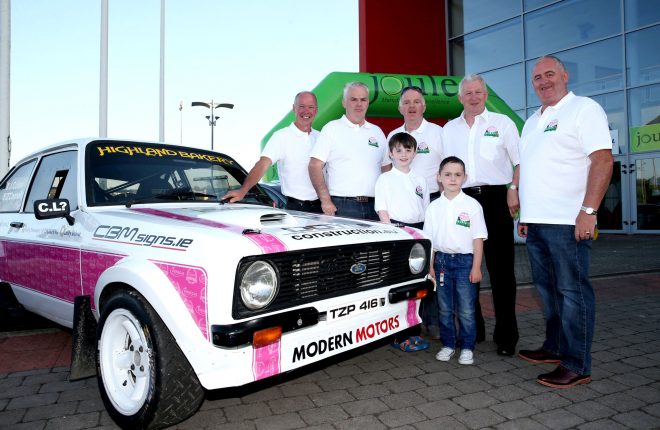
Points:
(611, 211)
(645, 178)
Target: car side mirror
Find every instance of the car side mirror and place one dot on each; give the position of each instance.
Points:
(53, 208)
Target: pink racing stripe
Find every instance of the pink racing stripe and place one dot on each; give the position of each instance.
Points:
(411, 315)
(266, 360)
(266, 242)
(413, 232)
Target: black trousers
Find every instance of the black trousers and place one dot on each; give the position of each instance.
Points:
(313, 206)
(499, 256)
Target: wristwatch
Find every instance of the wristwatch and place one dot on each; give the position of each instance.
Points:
(513, 187)
(588, 211)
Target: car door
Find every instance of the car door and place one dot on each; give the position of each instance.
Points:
(43, 256)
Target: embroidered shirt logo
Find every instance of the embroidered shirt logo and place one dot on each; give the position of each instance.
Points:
(373, 142)
(419, 191)
(423, 148)
(552, 126)
(491, 132)
(463, 220)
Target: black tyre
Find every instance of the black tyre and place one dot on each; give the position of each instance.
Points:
(145, 380)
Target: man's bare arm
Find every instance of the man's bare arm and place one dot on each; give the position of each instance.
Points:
(600, 173)
(318, 181)
(251, 180)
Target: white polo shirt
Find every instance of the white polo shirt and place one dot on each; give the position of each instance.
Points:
(404, 196)
(453, 224)
(429, 151)
(554, 152)
(353, 155)
(489, 148)
(290, 148)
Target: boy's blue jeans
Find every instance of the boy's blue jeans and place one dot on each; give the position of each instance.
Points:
(560, 269)
(456, 299)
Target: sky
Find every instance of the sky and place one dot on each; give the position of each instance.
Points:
(256, 54)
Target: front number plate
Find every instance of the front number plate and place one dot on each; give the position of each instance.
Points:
(355, 308)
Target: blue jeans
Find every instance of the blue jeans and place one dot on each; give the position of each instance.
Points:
(350, 208)
(560, 269)
(456, 299)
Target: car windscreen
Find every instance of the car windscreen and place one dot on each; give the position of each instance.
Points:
(127, 173)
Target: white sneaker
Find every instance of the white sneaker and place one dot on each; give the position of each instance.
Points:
(466, 357)
(444, 354)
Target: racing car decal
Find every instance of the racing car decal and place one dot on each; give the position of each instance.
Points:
(48, 269)
(266, 242)
(266, 360)
(190, 282)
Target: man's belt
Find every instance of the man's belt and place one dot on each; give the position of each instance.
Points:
(483, 189)
(359, 199)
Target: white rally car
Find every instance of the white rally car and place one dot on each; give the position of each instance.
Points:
(170, 291)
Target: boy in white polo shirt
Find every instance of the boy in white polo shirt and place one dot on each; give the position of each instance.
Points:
(401, 195)
(455, 223)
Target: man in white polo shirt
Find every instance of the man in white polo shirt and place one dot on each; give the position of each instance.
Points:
(354, 152)
(289, 148)
(566, 166)
(488, 144)
(428, 136)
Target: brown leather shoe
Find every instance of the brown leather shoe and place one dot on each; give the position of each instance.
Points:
(561, 377)
(539, 356)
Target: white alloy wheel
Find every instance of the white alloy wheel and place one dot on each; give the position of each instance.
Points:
(145, 381)
(125, 361)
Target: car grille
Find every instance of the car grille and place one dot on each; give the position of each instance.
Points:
(312, 275)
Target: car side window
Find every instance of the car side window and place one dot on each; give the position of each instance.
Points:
(56, 178)
(13, 188)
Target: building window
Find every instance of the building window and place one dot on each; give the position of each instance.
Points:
(640, 13)
(643, 56)
(470, 15)
(507, 83)
(613, 104)
(570, 23)
(644, 118)
(489, 48)
(534, 4)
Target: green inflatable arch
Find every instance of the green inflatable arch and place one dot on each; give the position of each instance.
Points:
(440, 93)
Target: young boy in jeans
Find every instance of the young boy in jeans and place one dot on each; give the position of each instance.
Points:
(455, 224)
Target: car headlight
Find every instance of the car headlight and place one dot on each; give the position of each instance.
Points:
(259, 285)
(417, 259)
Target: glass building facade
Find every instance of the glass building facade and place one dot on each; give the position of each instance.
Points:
(610, 48)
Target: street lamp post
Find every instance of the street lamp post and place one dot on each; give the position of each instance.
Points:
(212, 118)
(181, 122)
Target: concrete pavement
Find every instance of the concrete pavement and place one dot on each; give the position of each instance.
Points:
(383, 388)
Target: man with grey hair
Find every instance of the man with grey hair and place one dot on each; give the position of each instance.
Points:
(488, 144)
(428, 136)
(289, 148)
(566, 158)
(354, 152)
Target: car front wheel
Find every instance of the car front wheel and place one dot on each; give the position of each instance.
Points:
(144, 378)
